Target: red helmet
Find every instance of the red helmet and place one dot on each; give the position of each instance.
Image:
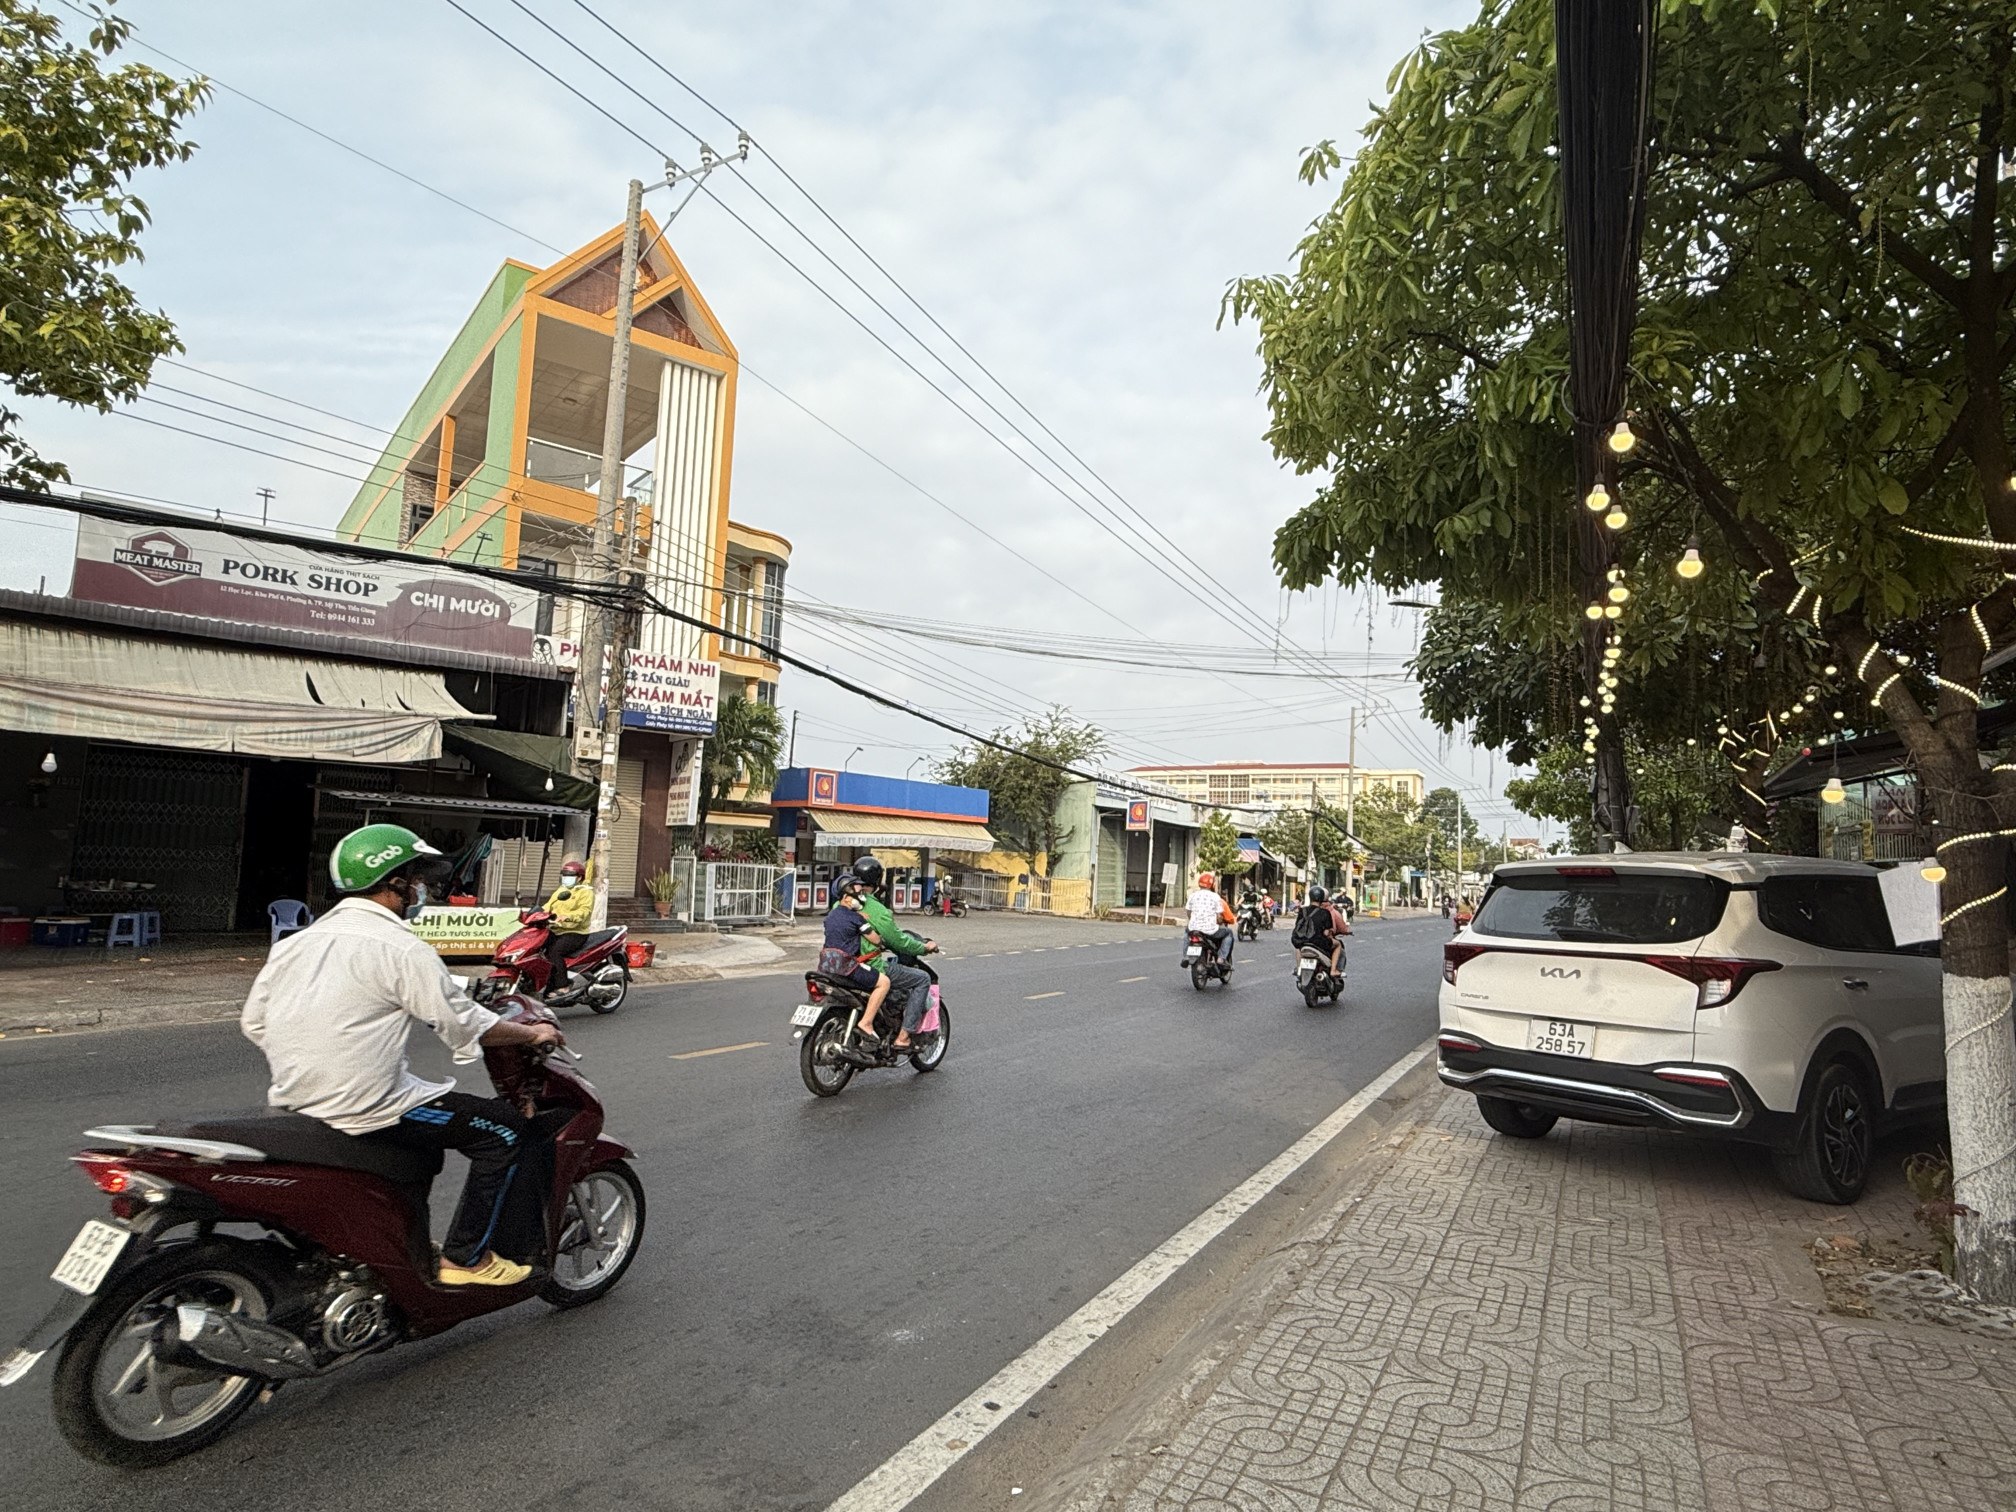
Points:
(1205, 879)
(573, 869)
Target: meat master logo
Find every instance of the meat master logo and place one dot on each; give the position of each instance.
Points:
(158, 557)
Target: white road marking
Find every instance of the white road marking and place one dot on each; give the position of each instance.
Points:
(906, 1474)
(719, 1050)
(1035, 995)
(1125, 980)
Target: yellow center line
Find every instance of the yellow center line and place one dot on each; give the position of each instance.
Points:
(721, 1050)
(1035, 995)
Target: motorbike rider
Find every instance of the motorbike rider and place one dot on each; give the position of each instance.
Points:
(1321, 925)
(841, 953)
(572, 906)
(331, 1010)
(1211, 915)
(893, 940)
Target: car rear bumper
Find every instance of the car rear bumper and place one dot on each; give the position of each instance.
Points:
(1716, 1100)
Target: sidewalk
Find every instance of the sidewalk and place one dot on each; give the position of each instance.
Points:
(1601, 1319)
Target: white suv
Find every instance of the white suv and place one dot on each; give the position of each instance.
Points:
(1755, 997)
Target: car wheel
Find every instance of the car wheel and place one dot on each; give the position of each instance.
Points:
(1520, 1120)
(1828, 1160)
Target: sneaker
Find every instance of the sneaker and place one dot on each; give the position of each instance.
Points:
(492, 1270)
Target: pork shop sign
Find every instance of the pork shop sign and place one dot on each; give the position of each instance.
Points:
(663, 691)
(219, 576)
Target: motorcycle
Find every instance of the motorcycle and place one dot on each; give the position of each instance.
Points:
(171, 1330)
(1252, 919)
(601, 972)
(829, 1051)
(951, 906)
(1200, 955)
(1314, 979)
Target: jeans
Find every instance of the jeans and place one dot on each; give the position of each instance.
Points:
(1224, 939)
(502, 1206)
(914, 987)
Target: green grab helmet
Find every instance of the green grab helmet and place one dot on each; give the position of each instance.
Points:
(365, 857)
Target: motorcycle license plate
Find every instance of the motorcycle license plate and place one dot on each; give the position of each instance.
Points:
(806, 1015)
(84, 1265)
(1306, 970)
(1193, 952)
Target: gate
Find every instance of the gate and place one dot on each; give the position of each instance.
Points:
(740, 892)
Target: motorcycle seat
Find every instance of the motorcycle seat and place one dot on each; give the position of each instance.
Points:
(838, 982)
(300, 1140)
(600, 937)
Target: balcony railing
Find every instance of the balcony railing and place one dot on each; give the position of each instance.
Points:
(570, 467)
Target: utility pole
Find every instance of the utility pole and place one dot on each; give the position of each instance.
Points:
(1459, 847)
(1351, 794)
(791, 760)
(1309, 876)
(604, 561)
(265, 497)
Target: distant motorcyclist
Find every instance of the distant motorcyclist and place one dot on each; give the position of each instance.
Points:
(913, 985)
(572, 906)
(1211, 916)
(331, 1010)
(1320, 925)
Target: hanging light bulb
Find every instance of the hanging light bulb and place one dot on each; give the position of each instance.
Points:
(1839, 715)
(549, 782)
(1690, 566)
(1598, 499)
(49, 762)
(1594, 612)
(1830, 669)
(1690, 740)
(1621, 438)
(1585, 700)
(1618, 593)
(1617, 519)
(1612, 612)
(1589, 746)
(1833, 792)
(1932, 871)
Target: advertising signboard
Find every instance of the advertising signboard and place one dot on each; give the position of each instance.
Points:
(682, 797)
(823, 789)
(1137, 815)
(221, 576)
(465, 931)
(662, 692)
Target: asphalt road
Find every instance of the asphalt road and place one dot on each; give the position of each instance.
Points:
(820, 1278)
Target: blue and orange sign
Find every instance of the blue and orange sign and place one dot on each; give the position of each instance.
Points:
(824, 789)
(1137, 815)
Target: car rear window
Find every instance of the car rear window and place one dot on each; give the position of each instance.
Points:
(1603, 906)
(1835, 913)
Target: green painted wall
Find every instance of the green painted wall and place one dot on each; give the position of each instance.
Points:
(379, 523)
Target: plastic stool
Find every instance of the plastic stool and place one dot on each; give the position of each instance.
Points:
(150, 927)
(126, 929)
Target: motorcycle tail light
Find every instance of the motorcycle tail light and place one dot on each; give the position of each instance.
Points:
(106, 1173)
(814, 990)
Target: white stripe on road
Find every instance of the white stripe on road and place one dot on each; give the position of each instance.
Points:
(906, 1474)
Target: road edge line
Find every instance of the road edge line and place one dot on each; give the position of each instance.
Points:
(913, 1469)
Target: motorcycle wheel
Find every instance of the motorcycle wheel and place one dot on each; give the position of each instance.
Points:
(120, 1404)
(582, 1273)
(1312, 992)
(609, 1004)
(1199, 974)
(933, 1055)
(819, 1063)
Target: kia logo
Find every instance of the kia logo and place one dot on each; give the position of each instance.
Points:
(1565, 973)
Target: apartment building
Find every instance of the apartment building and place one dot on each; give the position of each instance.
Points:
(1266, 784)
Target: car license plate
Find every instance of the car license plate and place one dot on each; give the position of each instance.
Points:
(1193, 952)
(90, 1256)
(806, 1015)
(1558, 1037)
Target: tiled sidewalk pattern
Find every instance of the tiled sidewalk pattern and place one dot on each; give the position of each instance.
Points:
(1589, 1322)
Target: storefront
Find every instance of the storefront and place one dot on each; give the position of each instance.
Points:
(826, 819)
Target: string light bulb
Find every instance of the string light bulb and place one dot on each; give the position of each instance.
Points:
(1932, 871)
(49, 762)
(1833, 792)
(1690, 566)
(1598, 499)
(1612, 612)
(1830, 669)
(1621, 438)
(1618, 593)
(1617, 519)
(1594, 612)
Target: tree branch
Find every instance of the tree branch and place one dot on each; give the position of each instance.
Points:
(1790, 155)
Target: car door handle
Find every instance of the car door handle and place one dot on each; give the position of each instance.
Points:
(1855, 984)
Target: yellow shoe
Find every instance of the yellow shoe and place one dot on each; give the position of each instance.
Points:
(492, 1270)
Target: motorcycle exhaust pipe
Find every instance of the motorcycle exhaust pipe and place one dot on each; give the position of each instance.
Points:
(243, 1346)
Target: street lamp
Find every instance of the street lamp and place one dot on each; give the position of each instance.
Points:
(911, 768)
(851, 755)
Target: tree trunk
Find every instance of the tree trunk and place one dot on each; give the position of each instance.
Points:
(1980, 1051)
(1610, 795)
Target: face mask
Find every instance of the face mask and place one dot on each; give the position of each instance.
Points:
(419, 900)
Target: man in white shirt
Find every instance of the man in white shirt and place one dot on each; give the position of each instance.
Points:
(331, 1010)
(1211, 915)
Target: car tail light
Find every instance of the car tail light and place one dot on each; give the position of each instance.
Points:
(1719, 978)
(1454, 956)
(1693, 1076)
(1586, 871)
(1449, 1039)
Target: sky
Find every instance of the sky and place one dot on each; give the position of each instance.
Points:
(1066, 188)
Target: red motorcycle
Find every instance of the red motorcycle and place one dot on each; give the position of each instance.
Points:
(171, 1330)
(601, 972)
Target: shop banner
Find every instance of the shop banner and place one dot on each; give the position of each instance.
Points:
(465, 931)
(663, 692)
(221, 576)
(682, 799)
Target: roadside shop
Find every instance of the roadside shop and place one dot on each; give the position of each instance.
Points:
(920, 831)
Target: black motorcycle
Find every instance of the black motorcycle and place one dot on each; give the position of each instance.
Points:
(1252, 919)
(1314, 978)
(830, 1048)
(1200, 956)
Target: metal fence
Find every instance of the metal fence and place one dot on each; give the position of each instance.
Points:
(1034, 896)
(740, 892)
(979, 889)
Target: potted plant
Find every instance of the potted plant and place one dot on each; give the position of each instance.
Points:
(663, 887)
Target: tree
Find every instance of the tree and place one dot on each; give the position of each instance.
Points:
(1820, 382)
(1218, 847)
(1024, 782)
(747, 740)
(1287, 832)
(72, 135)
(1686, 795)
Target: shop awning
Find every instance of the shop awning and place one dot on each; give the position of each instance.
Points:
(56, 680)
(447, 801)
(900, 832)
(521, 764)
